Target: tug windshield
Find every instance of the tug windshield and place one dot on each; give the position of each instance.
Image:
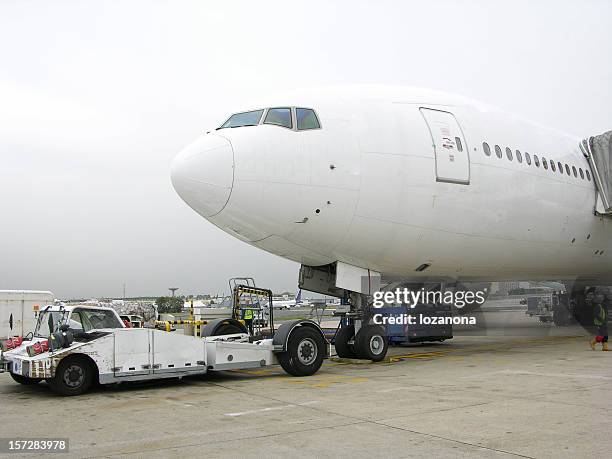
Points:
(48, 323)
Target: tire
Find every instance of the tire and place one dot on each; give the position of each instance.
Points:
(341, 343)
(25, 380)
(305, 352)
(371, 343)
(227, 329)
(73, 376)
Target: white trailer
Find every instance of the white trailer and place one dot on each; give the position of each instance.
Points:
(90, 344)
(19, 310)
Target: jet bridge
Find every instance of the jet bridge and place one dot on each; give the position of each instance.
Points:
(598, 150)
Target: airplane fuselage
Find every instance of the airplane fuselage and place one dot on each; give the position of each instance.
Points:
(398, 179)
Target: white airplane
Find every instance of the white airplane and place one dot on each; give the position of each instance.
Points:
(361, 181)
(281, 303)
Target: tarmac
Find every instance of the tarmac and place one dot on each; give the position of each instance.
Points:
(506, 394)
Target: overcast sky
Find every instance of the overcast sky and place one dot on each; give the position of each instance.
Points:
(96, 98)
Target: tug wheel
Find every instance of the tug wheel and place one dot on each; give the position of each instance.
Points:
(25, 380)
(73, 376)
(228, 329)
(305, 352)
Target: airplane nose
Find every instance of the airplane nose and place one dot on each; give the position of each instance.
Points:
(203, 173)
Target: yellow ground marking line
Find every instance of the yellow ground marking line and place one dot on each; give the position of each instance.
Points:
(445, 352)
(267, 371)
(430, 355)
(324, 381)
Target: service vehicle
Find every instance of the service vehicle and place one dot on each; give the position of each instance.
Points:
(74, 347)
(556, 307)
(135, 321)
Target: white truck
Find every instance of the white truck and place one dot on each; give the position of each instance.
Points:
(90, 344)
(19, 310)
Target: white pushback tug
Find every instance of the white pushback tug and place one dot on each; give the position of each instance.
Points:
(73, 347)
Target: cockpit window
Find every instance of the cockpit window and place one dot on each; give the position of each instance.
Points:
(279, 117)
(306, 119)
(243, 119)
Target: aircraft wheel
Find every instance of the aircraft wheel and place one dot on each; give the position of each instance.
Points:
(305, 352)
(371, 343)
(341, 343)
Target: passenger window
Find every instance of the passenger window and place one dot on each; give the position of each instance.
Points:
(498, 151)
(544, 163)
(536, 161)
(485, 147)
(560, 168)
(458, 142)
(279, 117)
(552, 166)
(509, 153)
(306, 119)
(575, 171)
(581, 173)
(588, 174)
(528, 158)
(567, 170)
(519, 157)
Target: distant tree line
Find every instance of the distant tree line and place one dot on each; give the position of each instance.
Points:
(169, 304)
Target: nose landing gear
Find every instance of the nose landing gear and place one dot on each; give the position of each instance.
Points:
(369, 343)
(357, 337)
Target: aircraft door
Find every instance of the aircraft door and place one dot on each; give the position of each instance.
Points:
(450, 148)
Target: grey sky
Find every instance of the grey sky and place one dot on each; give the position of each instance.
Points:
(96, 98)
